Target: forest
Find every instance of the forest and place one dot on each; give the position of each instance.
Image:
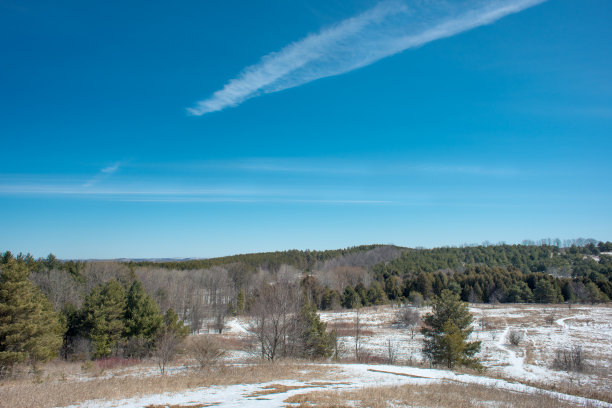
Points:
(104, 308)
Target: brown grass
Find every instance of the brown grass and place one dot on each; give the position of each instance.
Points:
(229, 342)
(195, 405)
(52, 392)
(432, 395)
(277, 389)
(347, 329)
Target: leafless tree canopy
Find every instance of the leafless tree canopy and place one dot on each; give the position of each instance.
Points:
(273, 318)
(166, 348)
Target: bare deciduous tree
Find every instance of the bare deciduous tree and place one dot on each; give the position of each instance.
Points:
(357, 334)
(408, 317)
(272, 318)
(166, 349)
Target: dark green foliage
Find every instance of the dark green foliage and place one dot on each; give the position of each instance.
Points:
(376, 294)
(362, 292)
(315, 341)
(547, 292)
(29, 328)
(498, 273)
(446, 331)
(519, 293)
(330, 299)
(142, 321)
(595, 294)
(350, 298)
(104, 311)
(304, 260)
(171, 323)
(142, 317)
(240, 302)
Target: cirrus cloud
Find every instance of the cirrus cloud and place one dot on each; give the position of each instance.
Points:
(384, 30)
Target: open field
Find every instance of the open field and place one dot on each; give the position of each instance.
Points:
(519, 376)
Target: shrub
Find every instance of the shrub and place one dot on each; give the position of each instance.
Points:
(515, 337)
(569, 359)
(408, 317)
(206, 351)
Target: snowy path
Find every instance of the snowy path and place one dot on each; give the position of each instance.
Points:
(352, 376)
(517, 363)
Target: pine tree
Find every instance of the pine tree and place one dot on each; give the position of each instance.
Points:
(104, 310)
(240, 302)
(446, 331)
(315, 341)
(350, 298)
(142, 317)
(171, 323)
(29, 328)
(547, 292)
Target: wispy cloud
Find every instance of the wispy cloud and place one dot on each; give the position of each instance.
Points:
(101, 175)
(140, 192)
(110, 169)
(352, 167)
(384, 30)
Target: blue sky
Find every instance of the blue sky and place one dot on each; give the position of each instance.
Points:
(198, 129)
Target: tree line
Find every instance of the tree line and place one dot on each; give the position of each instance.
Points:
(122, 308)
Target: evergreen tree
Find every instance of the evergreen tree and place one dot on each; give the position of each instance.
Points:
(240, 302)
(171, 323)
(547, 292)
(519, 293)
(596, 295)
(29, 328)
(314, 339)
(376, 294)
(446, 331)
(350, 298)
(104, 311)
(142, 317)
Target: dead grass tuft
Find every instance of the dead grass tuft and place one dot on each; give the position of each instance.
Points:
(53, 392)
(431, 395)
(196, 405)
(277, 389)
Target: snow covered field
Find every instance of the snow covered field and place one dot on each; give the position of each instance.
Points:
(351, 376)
(544, 329)
(520, 370)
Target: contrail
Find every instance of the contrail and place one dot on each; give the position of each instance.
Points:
(384, 30)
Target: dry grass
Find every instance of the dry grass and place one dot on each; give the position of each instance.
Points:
(432, 395)
(347, 329)
(194, 405)
(277, 389)
(52, 392)
(234, 343)
(569, 387)
(281, 388)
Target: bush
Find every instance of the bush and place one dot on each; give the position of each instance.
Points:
(206, 351)
(569, 359)
(515, 337)
(408, 317)
(416, 299)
